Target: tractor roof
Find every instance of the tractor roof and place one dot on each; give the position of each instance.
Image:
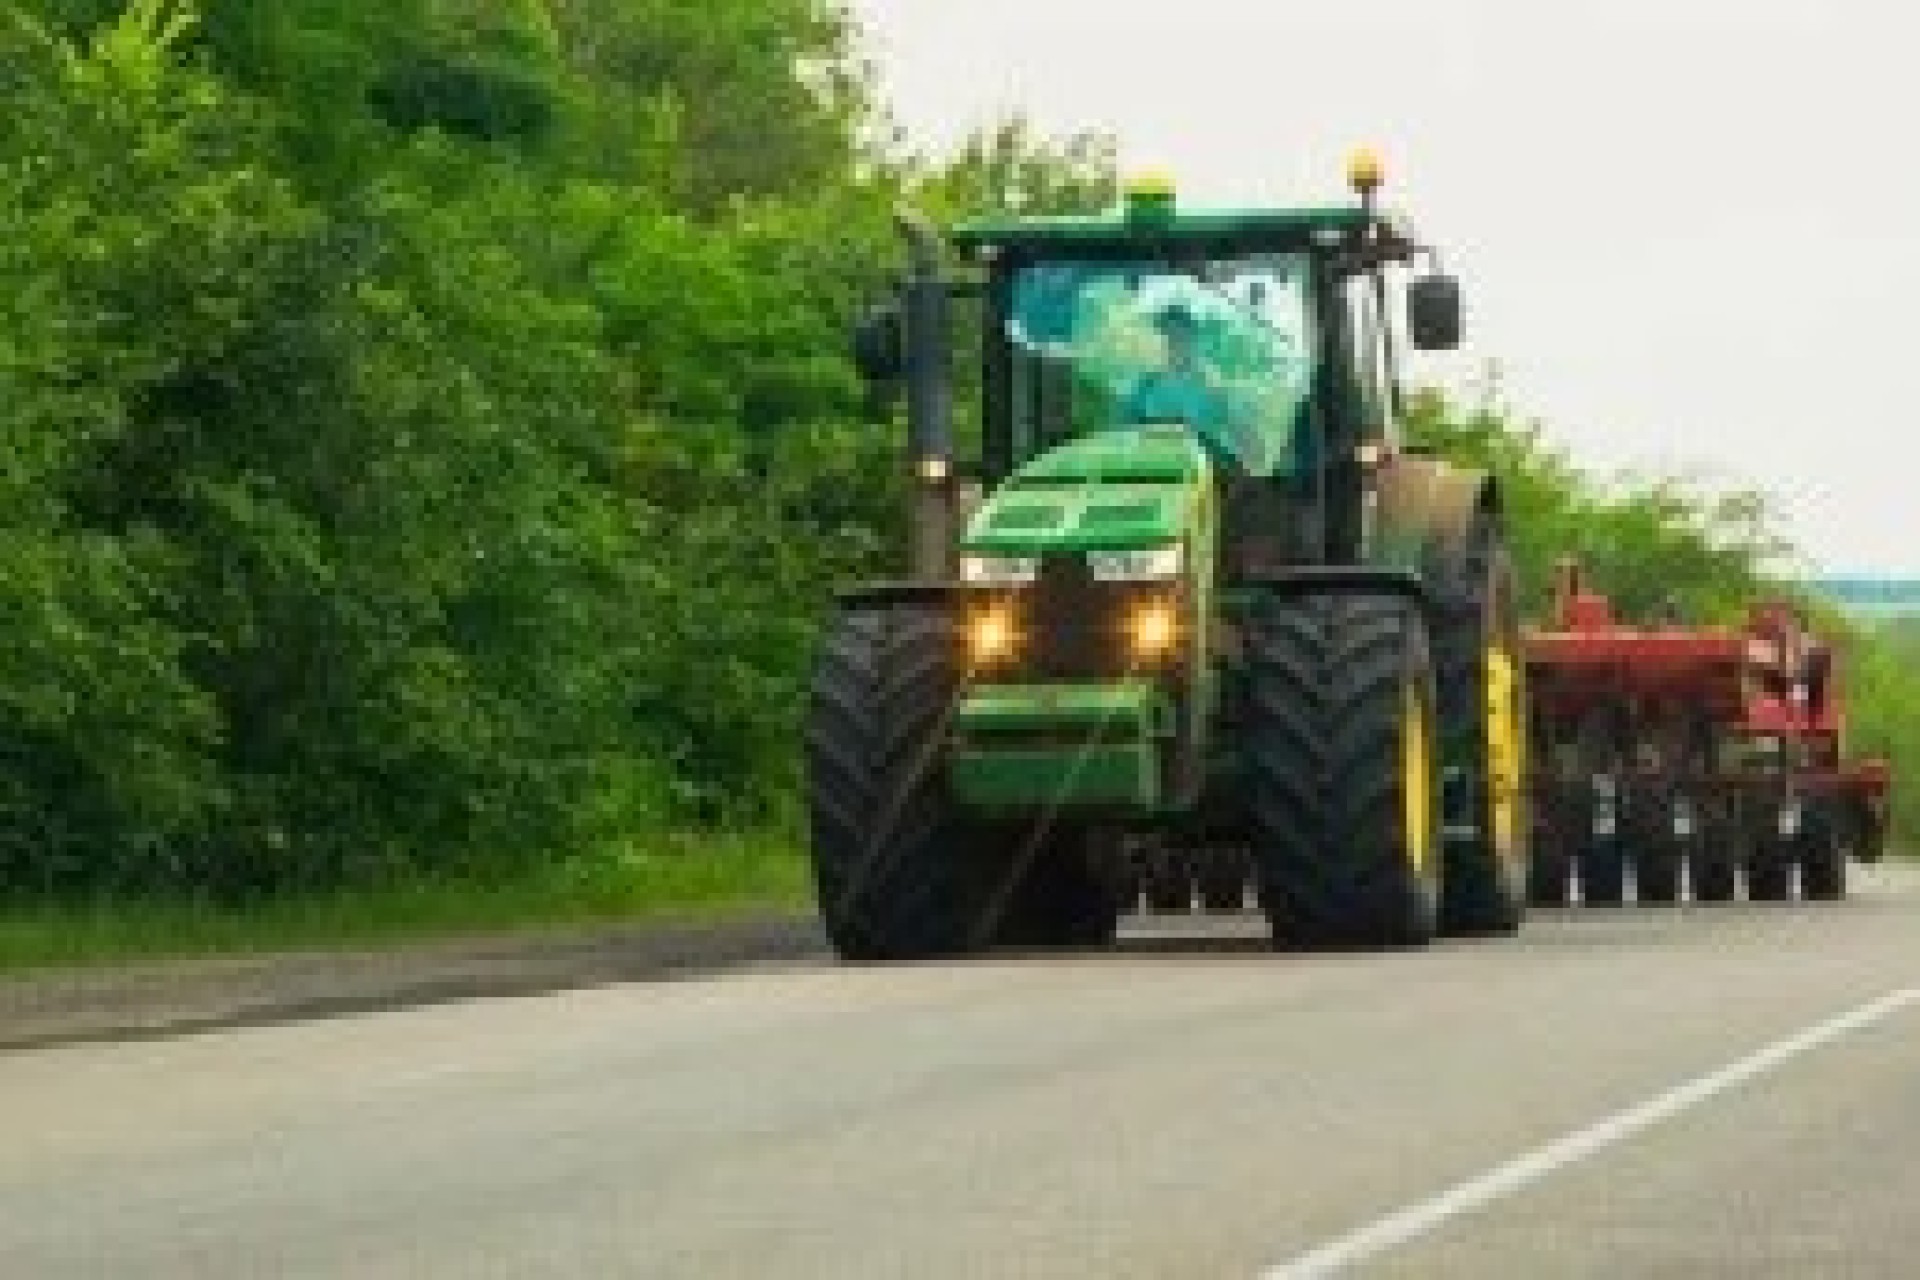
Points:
(1130, 224)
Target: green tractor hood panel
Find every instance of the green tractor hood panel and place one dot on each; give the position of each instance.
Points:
(1114, 491)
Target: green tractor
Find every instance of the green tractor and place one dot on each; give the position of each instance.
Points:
(1195, 623)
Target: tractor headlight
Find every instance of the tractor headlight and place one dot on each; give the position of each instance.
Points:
(1153, 631)
(993, 636)
(999, 571)
(1156, 564)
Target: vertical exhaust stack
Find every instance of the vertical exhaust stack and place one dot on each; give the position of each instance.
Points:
(929, 403)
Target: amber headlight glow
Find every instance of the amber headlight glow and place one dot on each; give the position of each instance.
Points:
(1153, 631)
(993, 637)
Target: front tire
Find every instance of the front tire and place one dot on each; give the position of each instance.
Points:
(900, 870)
(1342, 771)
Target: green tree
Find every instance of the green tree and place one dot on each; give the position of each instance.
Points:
(1010, 167)
(1644, 541)
(430, 436)
(758, 97)
(314, 536)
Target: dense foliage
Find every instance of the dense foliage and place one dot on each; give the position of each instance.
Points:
(427, 439)
(424, 434)
(1651, 544)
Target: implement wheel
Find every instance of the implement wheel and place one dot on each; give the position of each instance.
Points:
(1770, 876)
(901, 872)
(1659, 856)
(1823, 858)
(1714, 867)
(1342, 770)
(1770, 869)
(1823, 873)
(1550, 879)
(1481, 674)
(1603, 872)
(1557, 822)
(1657, 867)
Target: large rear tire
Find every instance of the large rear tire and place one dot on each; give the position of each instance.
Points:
(1342, 771)
(1480, 673)
(901, 872)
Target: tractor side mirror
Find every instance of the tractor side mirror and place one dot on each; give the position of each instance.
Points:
(1433, 312)
(879, 345)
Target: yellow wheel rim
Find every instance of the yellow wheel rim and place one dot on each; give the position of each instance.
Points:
(1416, 778)
(1506, 748)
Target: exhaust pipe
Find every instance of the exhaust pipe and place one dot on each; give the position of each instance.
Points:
(929, 402)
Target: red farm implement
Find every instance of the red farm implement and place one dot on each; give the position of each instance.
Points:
(1670, 757)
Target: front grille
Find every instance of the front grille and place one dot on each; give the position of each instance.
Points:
(1075, 627)
(1121, 515)
(1015, 518)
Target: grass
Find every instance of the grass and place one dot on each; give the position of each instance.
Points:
(681, 879)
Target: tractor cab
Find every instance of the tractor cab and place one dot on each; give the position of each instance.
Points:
(1223, 347)
(1225, 350)
(1265, 336)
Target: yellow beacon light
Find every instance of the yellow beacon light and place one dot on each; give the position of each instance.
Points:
(1150, 196)
(1365, 172)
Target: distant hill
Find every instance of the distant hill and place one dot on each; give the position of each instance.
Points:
(1876, 597)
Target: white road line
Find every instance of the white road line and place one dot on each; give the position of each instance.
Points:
(1416, 1220)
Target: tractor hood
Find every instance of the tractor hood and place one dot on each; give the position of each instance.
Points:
(1115, 491)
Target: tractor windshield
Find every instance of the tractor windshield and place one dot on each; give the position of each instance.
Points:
(1224, 349)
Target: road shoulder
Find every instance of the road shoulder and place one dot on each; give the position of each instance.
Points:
(210, 993)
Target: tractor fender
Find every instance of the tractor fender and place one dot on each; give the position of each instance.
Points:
(1325, 580)
(1424, 513)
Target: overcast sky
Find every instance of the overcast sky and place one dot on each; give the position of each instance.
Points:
(1689, 230)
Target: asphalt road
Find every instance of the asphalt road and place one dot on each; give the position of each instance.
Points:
(1682, 1093)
